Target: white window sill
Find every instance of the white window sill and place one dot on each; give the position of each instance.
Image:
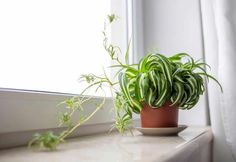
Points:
(193, 144)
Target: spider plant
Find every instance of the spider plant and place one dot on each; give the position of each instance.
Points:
(155, 80)
(158, 79)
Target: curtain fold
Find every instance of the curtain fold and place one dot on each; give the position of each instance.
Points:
(225, 17)
(219, 26)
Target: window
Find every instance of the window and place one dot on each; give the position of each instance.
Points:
(46, 45)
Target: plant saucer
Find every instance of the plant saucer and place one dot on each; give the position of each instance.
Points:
(165, 131)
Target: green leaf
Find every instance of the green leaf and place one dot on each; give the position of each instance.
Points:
(46, 140)
(131, 72)
(142, 64)
(111, 18)
(152, 75)
(178, 57)
(166, 67)
(211, 77)
(124, 87)
(127, 53)
(162, 96)
(179, 88)
(150, 97)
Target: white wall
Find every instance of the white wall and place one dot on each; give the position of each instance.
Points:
(171, 27)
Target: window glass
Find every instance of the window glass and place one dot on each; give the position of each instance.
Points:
(46, 45)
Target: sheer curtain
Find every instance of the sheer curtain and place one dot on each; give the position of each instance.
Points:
(219, 28)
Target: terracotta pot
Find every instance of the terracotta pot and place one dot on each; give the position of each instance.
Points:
(165, 116)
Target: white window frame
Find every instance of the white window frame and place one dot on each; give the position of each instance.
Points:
(28, 111)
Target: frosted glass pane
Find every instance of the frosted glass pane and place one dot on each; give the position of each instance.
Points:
(46, 45)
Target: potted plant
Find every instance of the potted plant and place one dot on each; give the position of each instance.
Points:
(156, 88)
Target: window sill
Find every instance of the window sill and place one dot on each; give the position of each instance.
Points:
(193, 144)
